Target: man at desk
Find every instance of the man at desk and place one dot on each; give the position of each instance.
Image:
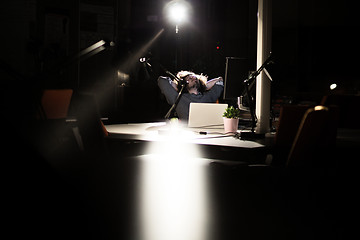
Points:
(197, 89)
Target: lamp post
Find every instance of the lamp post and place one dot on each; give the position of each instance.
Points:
(177, 12)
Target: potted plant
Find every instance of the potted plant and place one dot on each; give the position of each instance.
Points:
(231, 119)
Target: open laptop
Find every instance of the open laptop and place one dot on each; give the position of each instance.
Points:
(206, 115)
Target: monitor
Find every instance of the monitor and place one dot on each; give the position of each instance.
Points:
(236, 71)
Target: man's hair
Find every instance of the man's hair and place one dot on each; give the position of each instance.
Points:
(202, 79)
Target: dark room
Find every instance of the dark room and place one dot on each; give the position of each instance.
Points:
(179, 119)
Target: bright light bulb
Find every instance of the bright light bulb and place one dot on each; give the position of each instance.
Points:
(333, 86)
(177, 11)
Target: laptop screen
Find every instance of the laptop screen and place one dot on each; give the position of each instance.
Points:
(206, 115)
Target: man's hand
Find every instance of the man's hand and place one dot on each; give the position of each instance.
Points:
(174, 85)
(212, 82)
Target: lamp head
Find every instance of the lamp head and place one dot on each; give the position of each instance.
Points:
(177, 11)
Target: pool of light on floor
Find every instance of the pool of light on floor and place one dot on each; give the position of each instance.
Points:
(173, 193)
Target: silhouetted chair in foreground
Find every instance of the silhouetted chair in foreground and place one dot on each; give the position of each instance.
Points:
(289, 122)
(88, 122)
(68, 125)
(51, 132)
(69, 136)
(304, 132)
(315, 139)
(55, 103)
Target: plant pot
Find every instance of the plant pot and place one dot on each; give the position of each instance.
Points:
(231, 125)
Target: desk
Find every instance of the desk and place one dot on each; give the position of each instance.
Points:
(161, 131)
(214, 144)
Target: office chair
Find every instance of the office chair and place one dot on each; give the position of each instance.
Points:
(55, 103)
(315, 139)
(289, 121)
(68, 125)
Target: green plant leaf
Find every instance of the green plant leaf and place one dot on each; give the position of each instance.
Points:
(231, 112)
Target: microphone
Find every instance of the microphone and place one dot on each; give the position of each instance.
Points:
(145, 59)
(178, 80)
(267, 62)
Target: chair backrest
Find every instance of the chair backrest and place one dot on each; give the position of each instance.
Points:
(69, 124)
(315, 138)
(289, 121)
(91, 129)
(55, 103)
